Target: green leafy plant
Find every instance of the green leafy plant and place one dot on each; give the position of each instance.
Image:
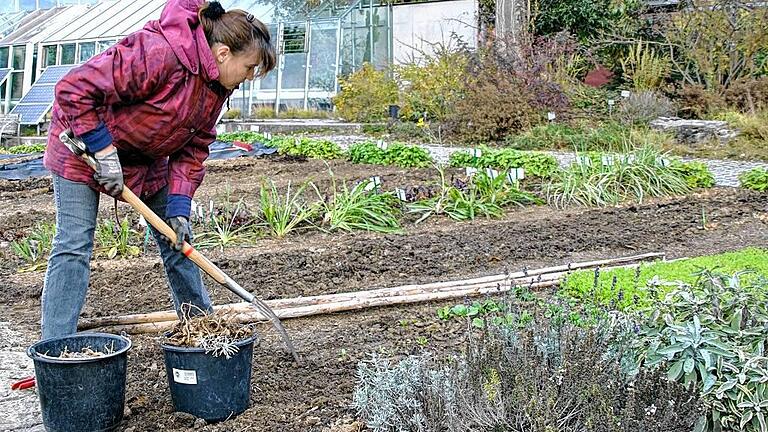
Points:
(755, 179)
(24, 149)
(636, 174)
(244, 136)
(535, 164)
(303, 146)
(283, 213)
(366, 153)
(115, 240)
(359, 208)
(406, 156)
(365, 95)
(696, 174)
(711, 334)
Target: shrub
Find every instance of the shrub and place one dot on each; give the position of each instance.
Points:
(753, 127)
(494, 106)
(365, 95)
(589, 102)
(433, 87)
(643, 107)
(748, 94)
(263, 113)
(697, 102)
(755, 179)
(232, 113)
(696, 174)
(638, 174)
(715, 47)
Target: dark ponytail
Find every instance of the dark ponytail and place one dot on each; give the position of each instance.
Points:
(238, 30)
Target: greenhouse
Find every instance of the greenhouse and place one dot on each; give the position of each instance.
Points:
(317, 41)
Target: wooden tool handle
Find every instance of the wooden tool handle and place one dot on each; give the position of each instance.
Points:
(159, 224)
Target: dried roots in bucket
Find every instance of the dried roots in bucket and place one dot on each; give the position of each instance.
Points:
(216, 333)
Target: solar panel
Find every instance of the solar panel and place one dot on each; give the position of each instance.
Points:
(31, 113)
(52, 74)
(4, 74)
(39, 94)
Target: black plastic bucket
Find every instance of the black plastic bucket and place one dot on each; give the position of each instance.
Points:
(210, 387)
(83, 394)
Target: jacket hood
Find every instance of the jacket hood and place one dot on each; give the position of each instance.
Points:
(180, 26)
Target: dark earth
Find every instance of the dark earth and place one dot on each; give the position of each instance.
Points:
(317, 395)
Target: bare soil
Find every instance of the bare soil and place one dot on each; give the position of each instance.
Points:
(316, 396)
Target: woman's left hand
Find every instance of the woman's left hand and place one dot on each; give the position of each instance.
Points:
(183, 230)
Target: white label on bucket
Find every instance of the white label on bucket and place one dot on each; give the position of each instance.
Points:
(182, 376)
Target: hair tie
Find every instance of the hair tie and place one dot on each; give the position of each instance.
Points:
(250, 17)
(214, 11)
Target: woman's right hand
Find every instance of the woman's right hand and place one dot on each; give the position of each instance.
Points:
(109, 172)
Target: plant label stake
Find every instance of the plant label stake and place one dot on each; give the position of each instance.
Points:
(492, 173)
(469, 171)
(664, 162)
(607, 160)
(625, 94)
(373, 184)
(515, 175)
(611, 103)
(551, 116)
(584, 160)
(476, 153)
(400, 194)
(77, 147)
(268, 135)
(254, 128)
(381, 144)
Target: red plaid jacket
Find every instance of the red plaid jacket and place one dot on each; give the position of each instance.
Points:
(154, 95)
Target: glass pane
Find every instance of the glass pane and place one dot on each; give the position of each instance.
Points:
(270, 81)
(3, 57)
(17, 85)
(322, 58)
(49, 55)
(68, 54)
(86, 51)
(18, 56)
(380, 37)
(103, 45)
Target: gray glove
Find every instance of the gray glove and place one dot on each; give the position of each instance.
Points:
(183, 230)
(109, 173)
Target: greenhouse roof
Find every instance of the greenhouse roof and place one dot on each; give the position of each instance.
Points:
(109, 20)
(112, 19)
(10, 21)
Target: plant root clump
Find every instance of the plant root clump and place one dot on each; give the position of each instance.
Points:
(217, 332)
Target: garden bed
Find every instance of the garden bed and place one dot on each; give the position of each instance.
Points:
(317, 395)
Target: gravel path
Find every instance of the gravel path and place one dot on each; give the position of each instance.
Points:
(20, 408)
(726, 172)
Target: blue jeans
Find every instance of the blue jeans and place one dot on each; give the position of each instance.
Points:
(66, 280)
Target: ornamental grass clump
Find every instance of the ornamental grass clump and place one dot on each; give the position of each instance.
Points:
(638, 174)
(283, 213)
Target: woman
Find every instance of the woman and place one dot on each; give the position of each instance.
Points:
(146, 109)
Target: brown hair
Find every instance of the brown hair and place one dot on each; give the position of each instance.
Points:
(238, 30)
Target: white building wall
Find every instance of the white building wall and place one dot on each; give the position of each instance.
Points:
(415, 26)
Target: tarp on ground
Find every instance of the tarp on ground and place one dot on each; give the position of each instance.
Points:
(34, 167)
